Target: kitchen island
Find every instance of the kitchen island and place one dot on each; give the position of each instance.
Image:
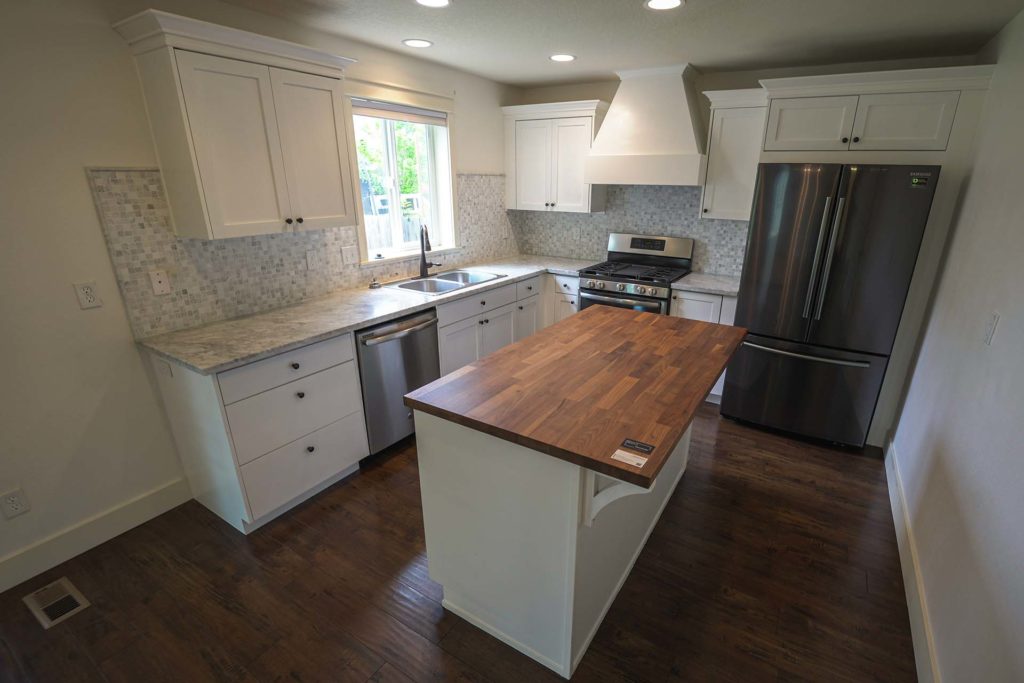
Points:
(545, 466)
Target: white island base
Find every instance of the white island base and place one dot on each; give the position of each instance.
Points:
(528, 547)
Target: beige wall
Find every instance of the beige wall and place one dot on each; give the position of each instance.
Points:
(959, 444)
(80, 425)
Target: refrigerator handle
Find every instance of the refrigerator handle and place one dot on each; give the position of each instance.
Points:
(817, 257)
(837, 227)
(804, 356)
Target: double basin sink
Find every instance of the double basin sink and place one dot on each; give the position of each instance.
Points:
(442, 283)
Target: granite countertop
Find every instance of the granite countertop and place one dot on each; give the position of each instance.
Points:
(227, 344)
(708, 283)
(578, 389)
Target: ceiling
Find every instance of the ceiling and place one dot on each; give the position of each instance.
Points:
(510, 40)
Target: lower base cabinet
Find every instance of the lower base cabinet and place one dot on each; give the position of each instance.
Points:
(710, 308)
(469, 340)
(528, 317)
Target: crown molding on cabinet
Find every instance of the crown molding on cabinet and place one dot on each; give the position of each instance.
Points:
(728, 99)
(556, 109)
(153, 29)
(878, 82)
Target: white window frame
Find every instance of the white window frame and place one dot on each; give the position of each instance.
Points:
(368, 258)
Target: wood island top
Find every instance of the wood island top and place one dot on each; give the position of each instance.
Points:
(578, 389)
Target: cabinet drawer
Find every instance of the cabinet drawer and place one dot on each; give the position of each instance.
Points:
(564, 284)
(290, 471)
(268, 373)
(477, 303)
(696, 306)
(265, 421)
(528, 288)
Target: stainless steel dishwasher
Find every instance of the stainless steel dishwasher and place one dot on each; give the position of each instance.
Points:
(395, 358)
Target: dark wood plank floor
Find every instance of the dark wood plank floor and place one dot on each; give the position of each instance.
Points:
(775, 560)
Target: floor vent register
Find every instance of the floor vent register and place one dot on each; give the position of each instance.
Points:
(55, 602)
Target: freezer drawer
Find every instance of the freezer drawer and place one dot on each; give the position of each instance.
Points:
(804, 389)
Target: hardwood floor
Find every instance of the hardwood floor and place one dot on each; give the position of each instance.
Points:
(775, 560)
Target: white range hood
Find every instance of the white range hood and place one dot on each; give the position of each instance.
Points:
(652, 133)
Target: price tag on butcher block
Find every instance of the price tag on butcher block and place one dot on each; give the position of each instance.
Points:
(629, 458)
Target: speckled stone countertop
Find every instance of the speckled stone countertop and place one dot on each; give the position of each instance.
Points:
(708, 283)
(224, 345)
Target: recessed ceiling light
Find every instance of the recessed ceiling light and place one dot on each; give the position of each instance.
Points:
(416, 42)
(433, 3)
(562, 58)
(662, 4)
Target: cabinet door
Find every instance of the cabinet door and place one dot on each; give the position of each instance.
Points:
(314, 142)
(564, 306)
(234, 129)
(733, 153)
(571, 143)
(533, 165)
(497, 329)
(904, 121)
(457, 344)
(528, 317)
(808, 123)
(696, 306)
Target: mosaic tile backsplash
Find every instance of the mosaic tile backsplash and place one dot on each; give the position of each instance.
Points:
(645, 209)
(221, 279)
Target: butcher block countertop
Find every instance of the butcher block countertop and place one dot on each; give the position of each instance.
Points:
(578, 389)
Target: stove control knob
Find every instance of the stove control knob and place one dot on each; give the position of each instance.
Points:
(641, 290)
(621, 287)
(600, 285)
(590, 283)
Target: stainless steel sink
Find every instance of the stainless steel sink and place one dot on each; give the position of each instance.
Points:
(428, 286)
(467, 277)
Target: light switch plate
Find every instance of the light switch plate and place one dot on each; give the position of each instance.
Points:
(349, 255)
(160, 281)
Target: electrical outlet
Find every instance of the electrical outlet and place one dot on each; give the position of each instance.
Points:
(87, 296)
(990, 328)
(160, 282)
(349, 255)
(315, 260)
(14, 503)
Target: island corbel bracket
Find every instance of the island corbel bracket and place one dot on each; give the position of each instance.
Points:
(596, 498)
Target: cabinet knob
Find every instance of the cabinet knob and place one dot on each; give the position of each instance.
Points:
(483, 303)
(856, 139)
(520, 308)
(299, 219)
(288, 221)
(705, 210)
(529, 288)
(310, 449)
(552, 203)
(295, 366)
(547, 204)
(301, 394)
(846, 139)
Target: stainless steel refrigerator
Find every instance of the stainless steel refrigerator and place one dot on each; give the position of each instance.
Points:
(830, 255)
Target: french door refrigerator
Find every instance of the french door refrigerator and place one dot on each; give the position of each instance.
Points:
(830, 255)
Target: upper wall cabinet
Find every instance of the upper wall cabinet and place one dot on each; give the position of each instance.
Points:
(251, 132)
(910, 110)
(734, 146)
(545, 149)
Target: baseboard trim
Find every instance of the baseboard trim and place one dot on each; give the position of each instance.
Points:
(61, 546)
(917, 605)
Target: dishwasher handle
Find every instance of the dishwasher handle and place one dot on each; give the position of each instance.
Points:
(405, 332)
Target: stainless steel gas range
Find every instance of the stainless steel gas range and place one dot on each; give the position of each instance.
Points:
(638, 274)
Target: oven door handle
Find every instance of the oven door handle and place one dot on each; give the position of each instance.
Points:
(617, 300)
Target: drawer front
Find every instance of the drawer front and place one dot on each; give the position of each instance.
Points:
(268, 373)
(477, 303)
(564, 284)
(528, 288)
(290, 471)
(263, 422)
(697, 306)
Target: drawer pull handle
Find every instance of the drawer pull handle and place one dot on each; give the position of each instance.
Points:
(310, 449)
(295, 366)
(301, 394)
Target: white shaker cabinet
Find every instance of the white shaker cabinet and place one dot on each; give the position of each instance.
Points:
(904, 121)
(709, 308)
(251, 132)
(457, 344)
(810, 123)
(546, 146)
(734, 147)
(528, 317)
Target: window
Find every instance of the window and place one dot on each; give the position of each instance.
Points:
(405, 177)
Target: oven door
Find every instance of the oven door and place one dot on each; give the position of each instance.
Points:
(637, 303)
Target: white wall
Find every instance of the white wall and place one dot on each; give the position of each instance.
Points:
(81, 429)
(959, 443)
